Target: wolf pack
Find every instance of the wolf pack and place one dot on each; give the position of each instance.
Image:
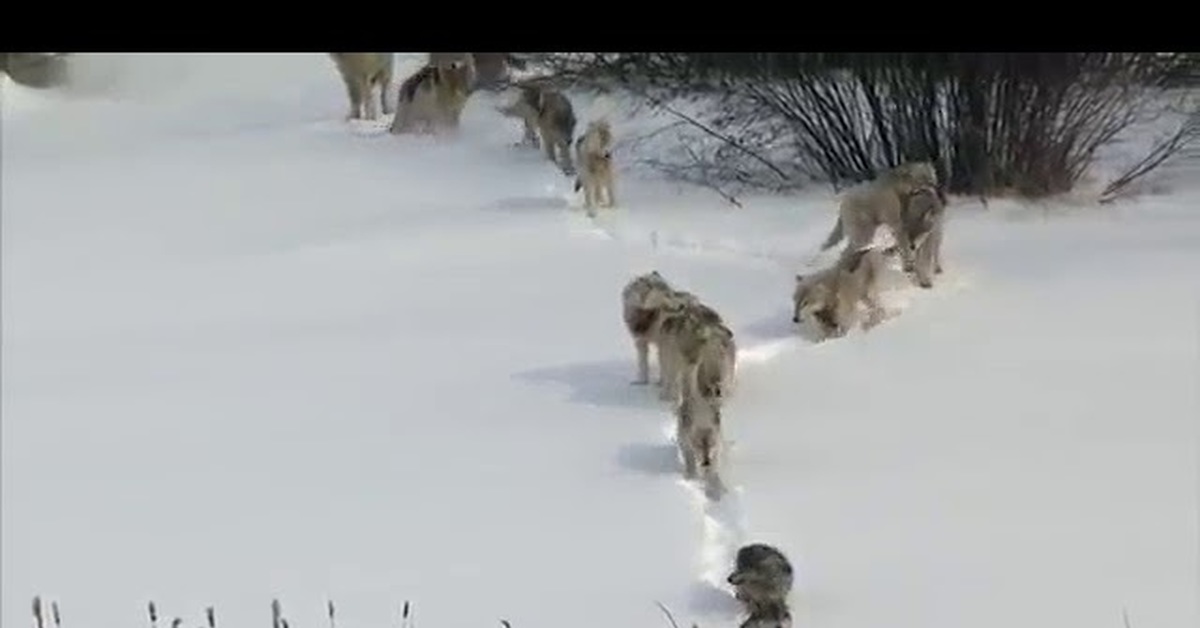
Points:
(431, 101)
(694, 347)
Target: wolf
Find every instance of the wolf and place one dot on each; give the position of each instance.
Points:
(827, 300)
(644, 299)
(698, 435)
(770, 615)
(880, 202)
(593, 154)
(924, 221)
(432, 99)
(551, 113)
(762, 579)
(361, 72)
(696, 351)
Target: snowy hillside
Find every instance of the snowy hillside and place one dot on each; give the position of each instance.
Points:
(250, 351)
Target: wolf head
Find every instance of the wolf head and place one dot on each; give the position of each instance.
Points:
(809, 296)
(759, 558)
(911, 175)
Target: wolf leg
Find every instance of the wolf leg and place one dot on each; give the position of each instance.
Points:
(642, 346)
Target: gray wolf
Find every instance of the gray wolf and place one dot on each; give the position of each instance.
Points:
(698, 435)
(593, 154)
(542, 107)
(361, 72)
(827, 300)
(643, 301)
(880, 202)
(432, 99)
(924, 221)
(762, 579)
(696, 351)
(771, 615)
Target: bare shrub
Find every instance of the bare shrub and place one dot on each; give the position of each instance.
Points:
(993, 123)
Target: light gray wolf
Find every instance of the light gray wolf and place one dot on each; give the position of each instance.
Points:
(762, 579)
(362, 72)
(827, 300)
(698, 435)
(696, 351)
(924, 220)
(880, 202)
(432, 99)
(593, 154)
(540, 106)
(643, 300)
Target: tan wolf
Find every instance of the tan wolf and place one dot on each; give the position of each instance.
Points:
(762, 579)
(541, 107)
(880, 202)
(643, 301)
(432, 99)
(827, 300)
(361, 72)
(924, 220)
(593, 154)
(698, 436)
(696, 352)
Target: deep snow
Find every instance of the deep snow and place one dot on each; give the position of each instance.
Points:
(250, 351)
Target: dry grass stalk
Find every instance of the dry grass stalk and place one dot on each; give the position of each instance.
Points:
(39, 620)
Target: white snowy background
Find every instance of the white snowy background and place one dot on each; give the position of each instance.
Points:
(253, 351)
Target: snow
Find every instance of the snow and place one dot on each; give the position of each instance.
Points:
(251, 351)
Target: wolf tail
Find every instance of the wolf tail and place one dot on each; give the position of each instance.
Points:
(835, 236)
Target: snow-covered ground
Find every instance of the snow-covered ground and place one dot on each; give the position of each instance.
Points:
(251, 352)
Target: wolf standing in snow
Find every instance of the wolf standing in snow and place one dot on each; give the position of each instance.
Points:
(762, 579)
(593, 154)
(827, 301)
(432, 99)
(924, 220)
(362, 71)
(546, 109)
(696, 351)
(698, 436)
(643, 301)
(880, 202)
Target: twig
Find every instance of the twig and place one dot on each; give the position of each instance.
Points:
(1162, 151)
(666, 611)
(1125, 617)
(657, 102)
(405, 615)
(211, 615)
(54, 612)
(153, 615)
(329, 606)
(39, 620)
(276, 614)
